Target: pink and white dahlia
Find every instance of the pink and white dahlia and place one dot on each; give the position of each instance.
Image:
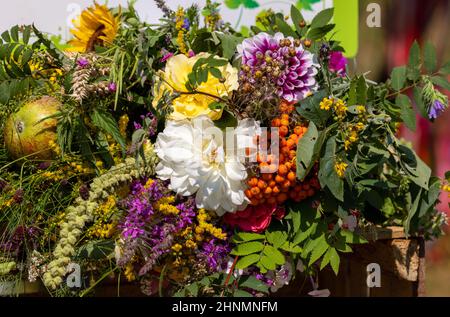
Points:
(281, 60)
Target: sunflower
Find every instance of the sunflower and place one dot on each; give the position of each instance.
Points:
(95, 26)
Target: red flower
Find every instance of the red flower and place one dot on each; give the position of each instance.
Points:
(254, 218)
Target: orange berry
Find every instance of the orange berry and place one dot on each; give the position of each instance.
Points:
(279, 179)
(282, 170)
(276, 122)
(292, 154)
(285, 151)
(268, 191)
(290, 143)
(261, 158)
(275, 190)
(285, 122)
(298, 130)
(286, 184)
(283, 130)
(263, 165)
(272, 184)
(254, 202)
(248, 193)
(293, 137)
(253, 182)
(260, 196)
(262, 184)
(291, 176)
(288, 165)
(283, 142)
(255, 191)
(284, 116)
(267, 176)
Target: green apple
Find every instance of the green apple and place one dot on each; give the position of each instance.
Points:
(27, 132)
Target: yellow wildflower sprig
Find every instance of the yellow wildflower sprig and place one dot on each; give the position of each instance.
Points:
(179, 26)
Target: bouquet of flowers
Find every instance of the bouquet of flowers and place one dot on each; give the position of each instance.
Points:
(194, 159)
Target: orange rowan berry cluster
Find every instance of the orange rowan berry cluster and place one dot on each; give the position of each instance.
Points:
(281, 182)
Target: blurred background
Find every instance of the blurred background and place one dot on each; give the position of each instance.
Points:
(378, 49)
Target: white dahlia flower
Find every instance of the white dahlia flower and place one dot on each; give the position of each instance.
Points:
(198, 158)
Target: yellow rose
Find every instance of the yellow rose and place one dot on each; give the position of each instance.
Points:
(189, 106)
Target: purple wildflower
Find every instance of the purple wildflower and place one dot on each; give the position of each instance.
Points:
(283, 60)
(166, 56)
(436, 109)
(82, 62)
(186, 24)
(191, 53)
(214, 253)
(337, 63)
(112, 87)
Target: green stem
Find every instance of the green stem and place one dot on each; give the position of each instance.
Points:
(241, 12)
(98, 281)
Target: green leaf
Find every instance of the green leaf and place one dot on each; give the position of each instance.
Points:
(305, 151)
(413, 70)
(429, 57)
(284, 27)
(302, 235)
(246, 237)
(441, 82)
(319, 33)
(229, 44)
(276, 238)
(322, 18)
(247, 248)
(6, 37)
(327, 174)
(319, 249)
(246, 261)
(412, 211)
(226, 120)
(268, 263)
(216, 73)
(361, 91)
(106, 122)
(310, 109)
(417, 96)
(241, 293)
(276, 256)
(192, 289)
(407, 113)
(398, 78)
(352, 94)
(325, 259)
(15, 33)
(297, 17)
(26, 34)
(253, 283)
(234, 4)
(352, 237)
(334, 260)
